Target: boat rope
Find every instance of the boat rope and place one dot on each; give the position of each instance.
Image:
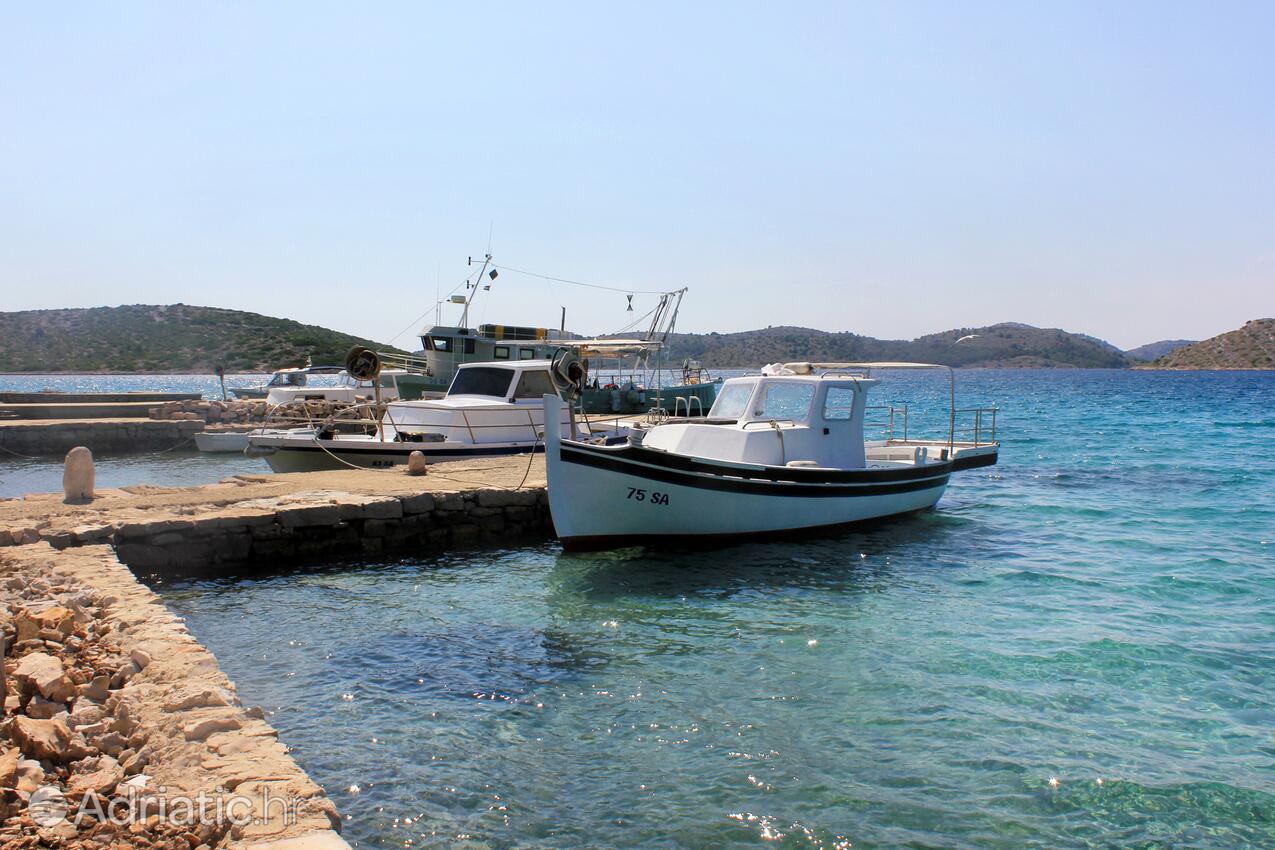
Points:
(580, 282)
(525, 475)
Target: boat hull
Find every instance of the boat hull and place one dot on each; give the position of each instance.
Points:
(306, 453)
(226, 442)
(605, 497)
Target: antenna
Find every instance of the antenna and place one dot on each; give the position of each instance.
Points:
(464, 316)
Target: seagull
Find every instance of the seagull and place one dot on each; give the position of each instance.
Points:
(967, 336)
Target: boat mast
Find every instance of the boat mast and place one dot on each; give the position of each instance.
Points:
(464, 316)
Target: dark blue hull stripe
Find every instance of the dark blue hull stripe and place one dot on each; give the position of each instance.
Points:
(789, 474)
(615, 462)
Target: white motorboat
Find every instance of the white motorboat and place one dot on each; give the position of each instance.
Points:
(230, 441)
(779, 453)
(489, 409)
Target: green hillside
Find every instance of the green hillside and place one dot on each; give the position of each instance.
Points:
(1249, 347)
(1156, 350)
(173, 338)
(1004, 345)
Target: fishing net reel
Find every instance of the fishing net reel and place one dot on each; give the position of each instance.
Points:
(362, 363)
(568, 373)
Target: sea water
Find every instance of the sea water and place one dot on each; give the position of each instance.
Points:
(179, 465)
(1076, 649)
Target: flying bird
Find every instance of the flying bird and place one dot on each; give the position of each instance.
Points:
(967, 336)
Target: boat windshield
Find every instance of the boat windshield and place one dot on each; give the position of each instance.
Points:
(785, 400)
(732, 401)
(536, 384)
(481, 380)
(287, 379)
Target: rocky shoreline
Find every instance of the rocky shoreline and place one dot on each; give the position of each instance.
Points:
(118, 719)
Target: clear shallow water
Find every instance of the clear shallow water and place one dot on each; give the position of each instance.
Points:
(1100, 606)
(184, 468)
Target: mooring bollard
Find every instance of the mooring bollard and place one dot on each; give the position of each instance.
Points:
(416, 464)
(79, 477)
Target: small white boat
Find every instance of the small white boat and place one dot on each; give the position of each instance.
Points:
(229, 441)
(490, 409)
(778, 454)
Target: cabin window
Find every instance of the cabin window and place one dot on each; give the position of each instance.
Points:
(838, 403)
(534, 385)
(387, 381)
(732, 401)
(527, 354)
(785, 400)
(481, 380)
(428, 343)
(500, 352)
(469, 345)
(442, 343)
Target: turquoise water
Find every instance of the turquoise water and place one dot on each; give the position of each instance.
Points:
(1098, 610)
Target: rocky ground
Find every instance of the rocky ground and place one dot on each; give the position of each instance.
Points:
(111, 706)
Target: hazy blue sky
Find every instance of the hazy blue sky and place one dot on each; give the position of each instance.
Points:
(892, 169)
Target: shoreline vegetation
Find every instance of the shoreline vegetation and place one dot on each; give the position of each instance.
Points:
(180, 339)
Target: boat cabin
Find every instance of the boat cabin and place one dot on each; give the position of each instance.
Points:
(517, 383)
(778, 420)
(300, 377)
(486, 403)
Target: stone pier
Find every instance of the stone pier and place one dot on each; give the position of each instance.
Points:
(272, 519)
(35, 438)
(110, 695)
(113, 707)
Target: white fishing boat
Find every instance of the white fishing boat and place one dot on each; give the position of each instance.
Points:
(489, 409)
(779, 453)
(230, 441)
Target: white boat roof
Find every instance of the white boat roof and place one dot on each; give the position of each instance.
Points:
(507, 364)
(807, 366)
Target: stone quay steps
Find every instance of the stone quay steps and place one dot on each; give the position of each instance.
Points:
(93, 398)
(58, 436)
(268, 520)
(80, 410)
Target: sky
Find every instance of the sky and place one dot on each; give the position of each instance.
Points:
(892, 169)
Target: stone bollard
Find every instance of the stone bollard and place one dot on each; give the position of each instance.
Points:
(78, 477)
(416, 464)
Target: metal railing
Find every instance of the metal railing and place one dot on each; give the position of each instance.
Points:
(976, 425)
(679, 400)
(979, 426)
(891, 417)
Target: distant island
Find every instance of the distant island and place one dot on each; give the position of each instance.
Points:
(1156, 350)
(1249, 347)
(1006, 345)
(180, 338)
(144, 338)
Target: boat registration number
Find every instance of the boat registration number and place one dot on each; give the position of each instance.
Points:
(654, 497)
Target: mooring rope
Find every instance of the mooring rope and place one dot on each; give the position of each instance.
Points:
(531, 457)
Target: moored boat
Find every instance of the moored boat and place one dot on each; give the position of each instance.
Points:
(489, 409)
(778, 454)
